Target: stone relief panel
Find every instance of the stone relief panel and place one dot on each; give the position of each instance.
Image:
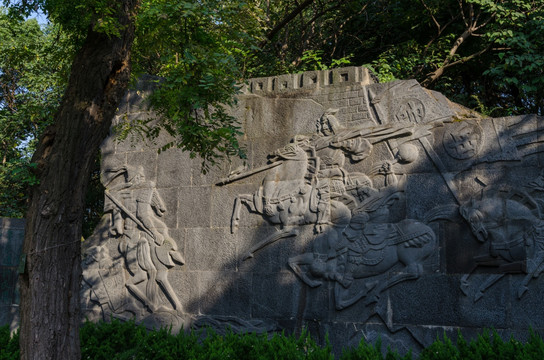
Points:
(358, 246)
(356, 242)
(333, 220)
(134, 281)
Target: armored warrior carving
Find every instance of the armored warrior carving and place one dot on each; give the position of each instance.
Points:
(511, 224)
(306, 183)
(145, 243)
(371, 246)
(333, 143)
(102, 278)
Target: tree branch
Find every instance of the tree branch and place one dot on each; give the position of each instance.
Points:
(438, 28)
(467, 58)
(270, 35)
(472, 26)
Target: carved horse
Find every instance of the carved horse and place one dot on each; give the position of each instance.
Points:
(287, 195)
(512, 226)
(372, 246)
(292, 194)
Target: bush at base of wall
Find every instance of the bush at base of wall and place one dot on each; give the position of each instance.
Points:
(118, 340)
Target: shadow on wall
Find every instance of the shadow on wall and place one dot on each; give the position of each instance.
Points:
(455, 242)
(425, 229)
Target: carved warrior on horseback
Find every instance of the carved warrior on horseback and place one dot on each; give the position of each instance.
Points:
(510, 222)
(370, 246)
(306, 182)
(136, 208)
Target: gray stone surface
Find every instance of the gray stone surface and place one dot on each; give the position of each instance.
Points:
(364, 210)
(11, 245)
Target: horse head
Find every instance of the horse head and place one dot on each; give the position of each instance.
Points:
(501, 218)
(475, 218)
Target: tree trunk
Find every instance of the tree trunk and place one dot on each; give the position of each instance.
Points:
(50, 315)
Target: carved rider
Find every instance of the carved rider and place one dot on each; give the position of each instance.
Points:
(146, 245)
(331, 145)
(371, 233)
(102, 274)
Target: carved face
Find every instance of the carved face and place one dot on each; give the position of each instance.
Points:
(475, 219)
(328, 124)
(326, 128)
(463, 140)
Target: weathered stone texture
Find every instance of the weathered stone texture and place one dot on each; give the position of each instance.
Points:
(364, 210)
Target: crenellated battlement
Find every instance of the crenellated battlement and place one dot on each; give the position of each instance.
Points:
(309, 80)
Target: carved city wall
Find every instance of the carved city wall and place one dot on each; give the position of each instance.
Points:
(363, 210)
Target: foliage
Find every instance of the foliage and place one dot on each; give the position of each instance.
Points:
(33, 72)
(313, 60)
(9, 344)
(306, 42)
(126, 340)
(198, 49)
(518, 62)
(483, 54)
(486, 346)
(366, 351)
(117, 340)
(15, 178)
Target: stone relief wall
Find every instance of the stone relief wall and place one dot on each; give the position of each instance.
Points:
(364, 210)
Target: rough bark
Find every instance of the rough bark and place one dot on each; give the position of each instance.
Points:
(50, 316)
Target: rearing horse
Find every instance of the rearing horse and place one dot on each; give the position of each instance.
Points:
(288, 194)
(515, 231)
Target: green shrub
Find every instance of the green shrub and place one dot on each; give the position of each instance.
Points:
(125, 340)
(366, 351)
(486, 346)
(118, 340)
(9, 344)
(440, 350)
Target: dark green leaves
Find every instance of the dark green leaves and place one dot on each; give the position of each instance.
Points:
(197, 48)
(34, 68)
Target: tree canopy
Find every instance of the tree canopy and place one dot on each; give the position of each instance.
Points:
(487, 55)
(60, 85)
(33, 73)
